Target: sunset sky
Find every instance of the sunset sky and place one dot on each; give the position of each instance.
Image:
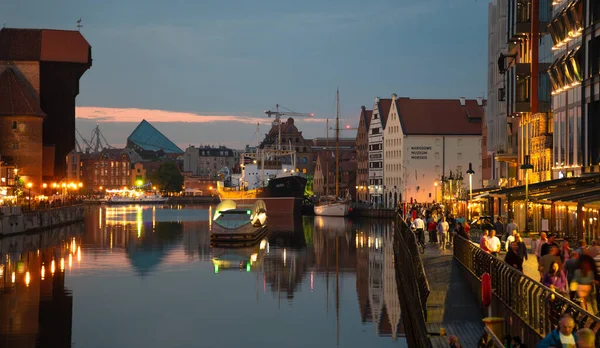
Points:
(203, 72)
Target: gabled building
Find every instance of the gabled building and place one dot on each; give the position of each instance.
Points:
(381, 109)
(438, 136)
(392, 156)
(292, 138)
(362, 154)
(145, 138)
(346, 173)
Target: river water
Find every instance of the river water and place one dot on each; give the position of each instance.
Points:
(146, 276)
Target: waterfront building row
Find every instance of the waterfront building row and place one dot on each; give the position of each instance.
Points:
(408, 148)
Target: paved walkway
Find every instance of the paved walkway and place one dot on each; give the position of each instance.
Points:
(448, 306)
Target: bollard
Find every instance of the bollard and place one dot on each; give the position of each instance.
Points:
(496, 326)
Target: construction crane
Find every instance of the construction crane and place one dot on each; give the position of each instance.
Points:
(286, 112)
(96, 144)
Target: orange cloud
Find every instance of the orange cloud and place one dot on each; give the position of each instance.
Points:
(102, 114)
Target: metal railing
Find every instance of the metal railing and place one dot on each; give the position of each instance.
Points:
(536, 306)
(413, 287)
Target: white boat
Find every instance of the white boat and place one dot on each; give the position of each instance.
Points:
(237, 224)
(334, 205)
(142, 199)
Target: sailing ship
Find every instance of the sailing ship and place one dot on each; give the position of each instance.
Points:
(333, 205)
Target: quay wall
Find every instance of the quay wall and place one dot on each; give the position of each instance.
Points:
(373, 213)
(193, 200)
(13, 220)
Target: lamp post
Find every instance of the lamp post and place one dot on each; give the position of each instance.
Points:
(29, 185)
(526, 167)
(44, 186)
(435, 183)
(356, 193)
(470, 172)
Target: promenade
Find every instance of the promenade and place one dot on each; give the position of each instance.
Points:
(447, 305)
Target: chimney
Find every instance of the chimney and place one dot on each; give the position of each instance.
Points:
(376, 99)
(480, 101)
(463, 101)
(363, 108)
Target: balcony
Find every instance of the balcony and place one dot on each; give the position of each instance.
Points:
(519, 19)
(523, 69)
(522, 106)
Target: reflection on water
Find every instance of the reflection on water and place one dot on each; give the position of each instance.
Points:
(150, 277)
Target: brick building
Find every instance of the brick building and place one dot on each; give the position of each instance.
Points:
(45, 67)
(362, 154)
(207, 160)
(292, 137)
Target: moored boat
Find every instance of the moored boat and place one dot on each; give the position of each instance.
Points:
(238, 225)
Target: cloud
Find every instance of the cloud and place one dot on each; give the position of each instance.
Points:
(103, 114)
(123, 115)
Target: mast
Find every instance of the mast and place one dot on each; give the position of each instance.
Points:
(327, 158)
(337, 138)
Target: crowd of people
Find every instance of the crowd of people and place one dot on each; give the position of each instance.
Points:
(570, 271)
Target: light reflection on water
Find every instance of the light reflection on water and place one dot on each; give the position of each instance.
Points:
(147, 276)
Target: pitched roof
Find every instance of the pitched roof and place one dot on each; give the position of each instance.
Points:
(439, 116)
(149, 138)
(384, 110)
(44, 45)
(17, 96)
(365, 116)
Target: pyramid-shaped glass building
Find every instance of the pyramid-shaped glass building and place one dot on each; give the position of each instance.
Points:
(147, 138)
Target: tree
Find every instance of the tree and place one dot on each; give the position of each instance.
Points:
(168, 177)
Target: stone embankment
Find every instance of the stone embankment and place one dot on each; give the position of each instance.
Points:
(13, 220)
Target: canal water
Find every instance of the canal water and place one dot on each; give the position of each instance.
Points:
(146, 276)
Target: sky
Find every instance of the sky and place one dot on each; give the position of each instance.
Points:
(204, 71)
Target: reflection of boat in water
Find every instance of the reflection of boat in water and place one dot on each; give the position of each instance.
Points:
(238, 225)
(239, 258)
(331, 225)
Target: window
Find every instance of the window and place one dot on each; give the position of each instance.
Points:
(375, 131)
(459, 142)
(459, 155)
(437, 155)
(438, 142)
(15, 146)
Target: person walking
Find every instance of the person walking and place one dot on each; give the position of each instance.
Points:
(443, 228)
(432, 229)
(522, 249)
(499, 227)
(513, 258)
(511, 226)
(483, 241)
(419, 227)
(494, 243)
(561, 337)
(538, 248)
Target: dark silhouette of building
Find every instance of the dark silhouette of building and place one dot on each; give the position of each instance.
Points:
(52, 62)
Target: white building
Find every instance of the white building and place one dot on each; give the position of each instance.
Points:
(392, 136)
(437, 136)
(377, 126)
(496, 119)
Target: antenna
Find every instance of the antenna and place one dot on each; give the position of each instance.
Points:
(79, 25)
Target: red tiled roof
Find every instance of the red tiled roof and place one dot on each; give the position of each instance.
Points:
(44, 45)
(17, 96)
(439, 116)
(384, 110)
(366, 116)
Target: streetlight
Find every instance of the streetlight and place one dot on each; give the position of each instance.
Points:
(29, 185)
(435, 183)
(470, 172)
(526, 166)
(356, 198)
(44, 186)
